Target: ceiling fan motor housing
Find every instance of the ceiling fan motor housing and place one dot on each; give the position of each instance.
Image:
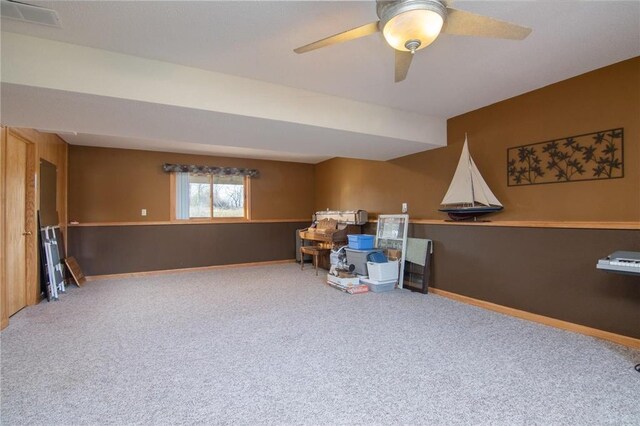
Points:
(402, 29)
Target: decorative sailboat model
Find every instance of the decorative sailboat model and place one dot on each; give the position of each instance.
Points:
(469, 195)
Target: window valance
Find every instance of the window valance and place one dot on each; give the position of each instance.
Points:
(210, 170)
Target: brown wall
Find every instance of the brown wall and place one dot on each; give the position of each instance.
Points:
(113, 185)
(550, 272)
(121, 249)
(603, 99)
(546, 271)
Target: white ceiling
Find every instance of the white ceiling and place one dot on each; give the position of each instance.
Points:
(255, 40)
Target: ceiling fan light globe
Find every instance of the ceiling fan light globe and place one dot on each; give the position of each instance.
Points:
(423, 25)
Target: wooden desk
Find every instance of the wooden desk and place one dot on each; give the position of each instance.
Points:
(324, 236)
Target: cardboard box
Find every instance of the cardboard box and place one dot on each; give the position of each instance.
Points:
(393, 254)
(343, 282)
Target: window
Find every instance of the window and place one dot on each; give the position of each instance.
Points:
(210, 197)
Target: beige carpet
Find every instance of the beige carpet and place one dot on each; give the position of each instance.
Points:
(274, 345)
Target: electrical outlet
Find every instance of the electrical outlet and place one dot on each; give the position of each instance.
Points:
(143, 212)
(405, 208)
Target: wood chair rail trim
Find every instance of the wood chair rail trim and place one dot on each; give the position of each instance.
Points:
(188, 222)
(508, 224)
(534, 224)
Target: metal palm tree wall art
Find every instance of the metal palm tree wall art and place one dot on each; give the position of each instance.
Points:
(590, 156)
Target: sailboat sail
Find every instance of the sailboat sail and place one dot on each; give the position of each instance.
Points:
(461, 188)
(482, 193)
(468, 186)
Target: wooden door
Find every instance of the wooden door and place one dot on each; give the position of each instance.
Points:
(19, 236)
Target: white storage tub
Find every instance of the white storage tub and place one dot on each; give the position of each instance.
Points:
(383, 271)
(379, 286)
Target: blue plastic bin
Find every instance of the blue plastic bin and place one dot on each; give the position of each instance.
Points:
(361, 241)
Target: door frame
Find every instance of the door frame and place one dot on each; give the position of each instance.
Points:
(4, 318)
(31, 256)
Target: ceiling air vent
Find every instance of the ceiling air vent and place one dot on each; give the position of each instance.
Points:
(29, 13)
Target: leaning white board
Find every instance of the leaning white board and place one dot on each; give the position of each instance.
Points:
(392, 234)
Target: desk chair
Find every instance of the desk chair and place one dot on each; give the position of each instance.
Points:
(314, 251)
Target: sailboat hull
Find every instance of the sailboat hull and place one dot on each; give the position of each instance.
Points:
(469, 213)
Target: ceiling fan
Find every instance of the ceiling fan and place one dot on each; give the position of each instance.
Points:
(411, 25)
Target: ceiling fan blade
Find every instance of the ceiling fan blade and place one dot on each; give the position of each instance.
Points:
(403, 61)
(460, 22)
(352, 34)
